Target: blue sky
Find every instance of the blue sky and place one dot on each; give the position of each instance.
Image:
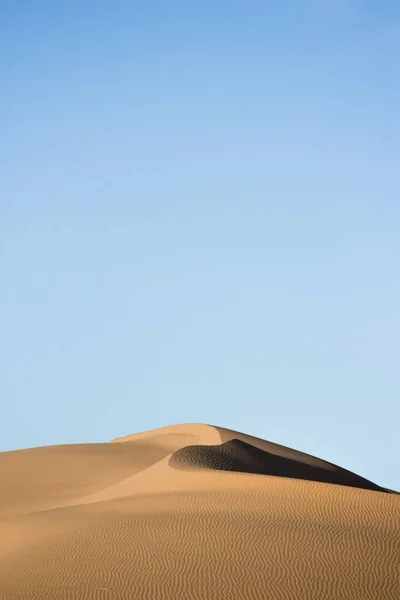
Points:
(199, 222)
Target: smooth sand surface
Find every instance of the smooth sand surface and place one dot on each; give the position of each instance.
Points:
(192, 512)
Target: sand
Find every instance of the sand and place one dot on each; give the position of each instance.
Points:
(192, 512)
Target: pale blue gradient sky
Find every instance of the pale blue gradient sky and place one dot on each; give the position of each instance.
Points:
(200, 215)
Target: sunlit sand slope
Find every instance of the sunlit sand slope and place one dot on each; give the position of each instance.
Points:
(196, 512)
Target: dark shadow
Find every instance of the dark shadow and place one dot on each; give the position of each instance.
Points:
(240, 457)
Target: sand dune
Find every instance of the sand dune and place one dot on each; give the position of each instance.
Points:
(196, 512)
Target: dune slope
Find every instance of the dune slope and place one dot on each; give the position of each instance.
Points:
(192, 511)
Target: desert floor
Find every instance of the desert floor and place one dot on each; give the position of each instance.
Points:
(192, 512)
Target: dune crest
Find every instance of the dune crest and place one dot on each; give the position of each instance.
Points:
(241, 457)
(192, 511)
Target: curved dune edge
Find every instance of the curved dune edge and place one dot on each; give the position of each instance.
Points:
(152, 462)
(241, 457)
(173, 437)
(200, 446)
(188, 512)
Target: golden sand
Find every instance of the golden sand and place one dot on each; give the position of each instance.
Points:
(192, 512)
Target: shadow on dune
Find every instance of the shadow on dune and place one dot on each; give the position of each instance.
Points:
(238, 456)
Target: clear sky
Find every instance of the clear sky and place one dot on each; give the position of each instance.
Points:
(200, 222)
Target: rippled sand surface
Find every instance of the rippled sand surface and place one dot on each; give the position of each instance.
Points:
(192, 512)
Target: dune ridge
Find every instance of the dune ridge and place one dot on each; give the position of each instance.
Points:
(241, 457)
(192, 511)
